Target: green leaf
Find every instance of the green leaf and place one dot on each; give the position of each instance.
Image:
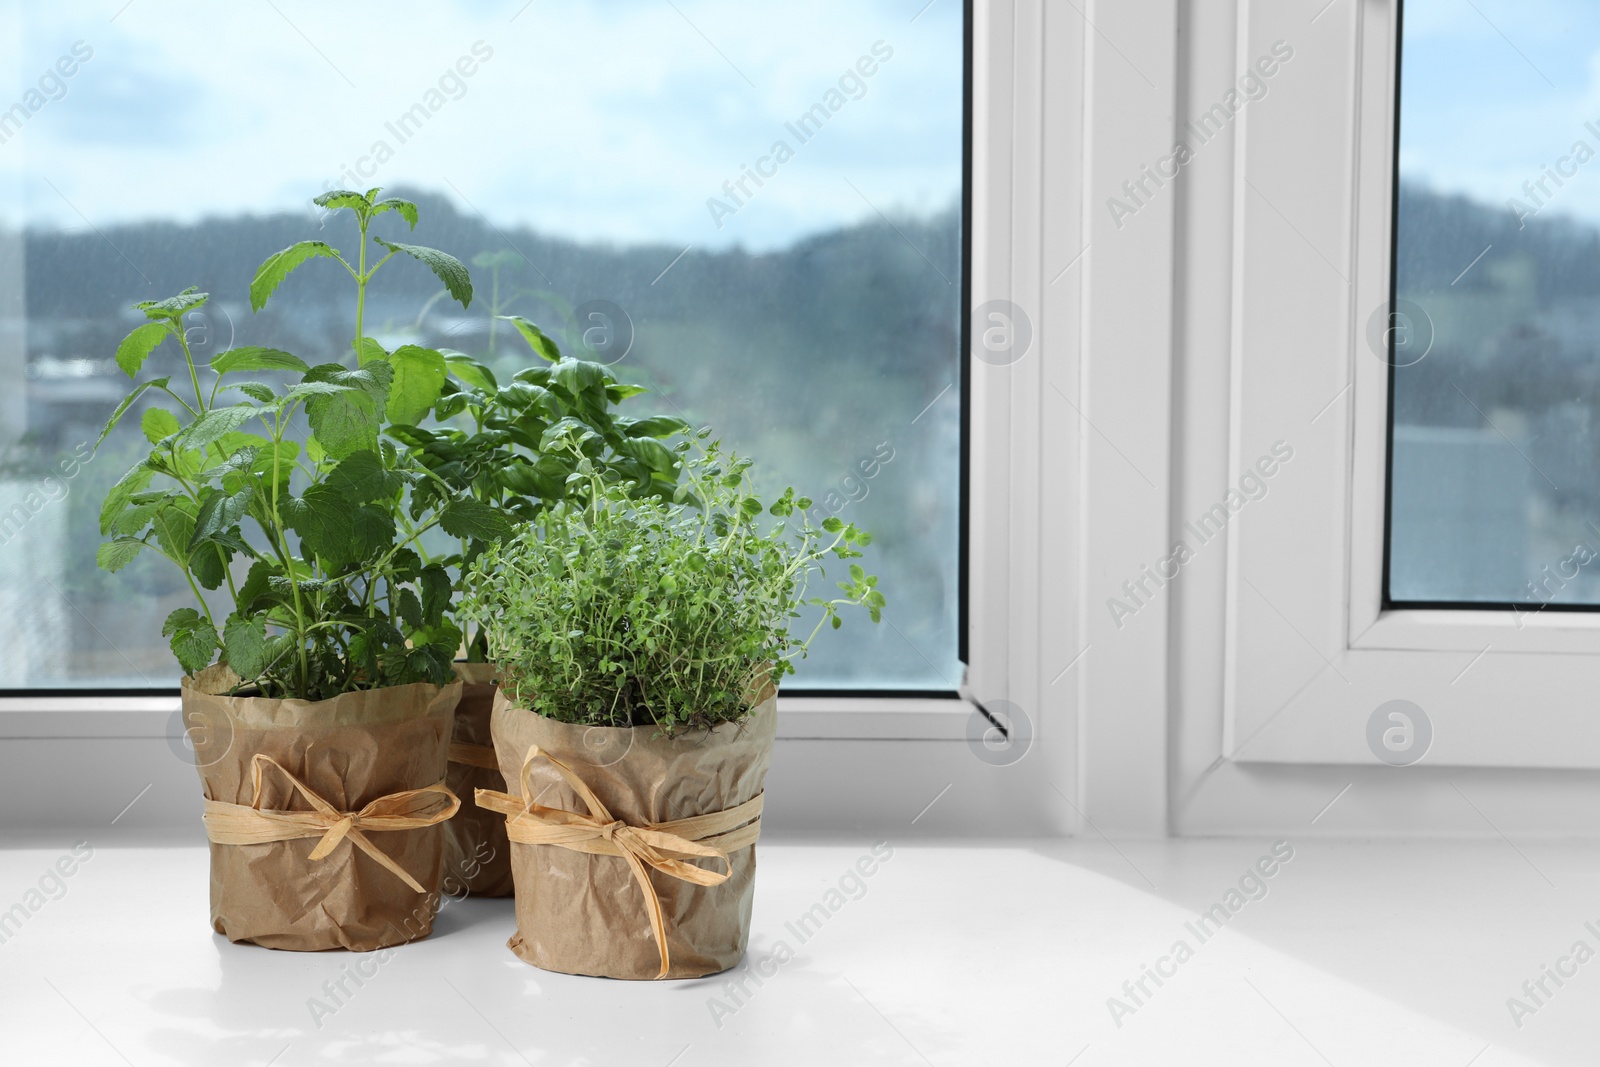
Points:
(409, 608)
(254, 357)
(322, 521)
(406, 208)
(618, 393)
(242, 450)
(470, 371)
(115, 555)
(657, 426)
(360, 479)
(653, 454)
(581, 378)
(449, 270)
(137, 346)
(857, 574)
(209, 564)
(244, 643)
(136, 480)
(368, 350)
(522, 396)
(194, 648)
(419, 375)
(285, 451)
(133, 521)
(305, 390)
(256, 391)
(565, 429)
(172, 309)
(474, 519)
(159, 424)
(127, 402)
(174, 528)
(256, 585)
(217, 422)
(219, 512)
(277, 267)
(335, 531)
(540, 342)
(180, 620)
(436, 590)
(338, 198)
(372, 530)
(348, 421)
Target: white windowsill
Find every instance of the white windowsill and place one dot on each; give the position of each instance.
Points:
(799, 718)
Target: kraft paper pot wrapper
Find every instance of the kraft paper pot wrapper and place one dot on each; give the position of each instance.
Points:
(477, 856)
(587, 914)
(350, 751)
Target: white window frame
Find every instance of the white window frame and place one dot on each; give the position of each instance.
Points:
(1310, 650)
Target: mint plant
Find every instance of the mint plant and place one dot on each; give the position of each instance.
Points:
(294, 485)
(501, 446)
(616, 609)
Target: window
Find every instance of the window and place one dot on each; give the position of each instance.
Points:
(1494, 490)
(756, 212)
(1318, 639)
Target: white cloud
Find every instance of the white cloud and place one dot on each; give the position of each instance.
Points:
(611, 121)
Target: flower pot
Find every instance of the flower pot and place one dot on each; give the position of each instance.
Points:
(324, 817)
(477, 857)
(633, 854)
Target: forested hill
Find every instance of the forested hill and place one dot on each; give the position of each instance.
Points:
(1441, 233)
(864, 288)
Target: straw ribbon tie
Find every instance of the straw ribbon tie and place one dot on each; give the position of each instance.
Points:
(251, 824)
(664, 847)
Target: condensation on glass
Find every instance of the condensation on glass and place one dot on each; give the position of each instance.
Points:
(753, 210)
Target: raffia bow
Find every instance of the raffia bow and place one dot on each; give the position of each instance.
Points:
(663, 846)
(251, 824)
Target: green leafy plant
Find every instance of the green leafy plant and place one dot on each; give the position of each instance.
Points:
(618, 610)
(500, 446)
(294, 485)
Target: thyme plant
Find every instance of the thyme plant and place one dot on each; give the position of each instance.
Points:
(618, 610)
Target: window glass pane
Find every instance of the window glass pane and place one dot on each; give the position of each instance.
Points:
(1495, 484)
(754, 210)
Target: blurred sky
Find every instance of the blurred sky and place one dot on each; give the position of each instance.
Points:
(1489, 95)
(594, 119)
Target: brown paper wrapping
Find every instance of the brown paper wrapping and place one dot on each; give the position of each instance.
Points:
(585, 914)
(350, 750)
(477, 857)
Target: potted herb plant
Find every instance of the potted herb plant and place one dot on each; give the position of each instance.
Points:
(640, 643)
(318, 652)
(488, 446)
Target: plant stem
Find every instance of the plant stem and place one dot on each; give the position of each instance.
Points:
(280, 543)
(188, 359)
(361, 284)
